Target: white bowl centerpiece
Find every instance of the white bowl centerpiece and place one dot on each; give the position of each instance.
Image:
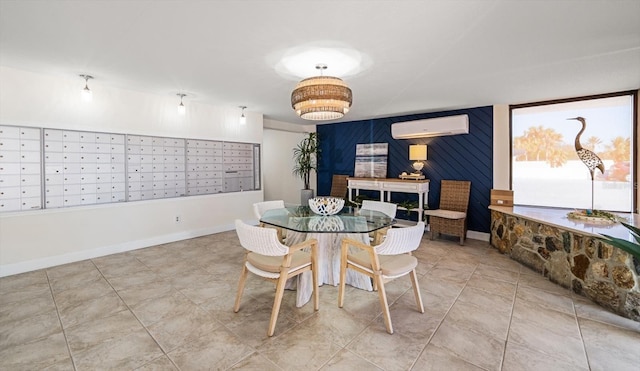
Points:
(326, 205)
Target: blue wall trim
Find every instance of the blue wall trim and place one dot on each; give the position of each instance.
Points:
(457, 157)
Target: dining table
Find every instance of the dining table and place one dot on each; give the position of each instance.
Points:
(301, 223)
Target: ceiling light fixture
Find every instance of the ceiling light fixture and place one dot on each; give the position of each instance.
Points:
(243, 118)
(181, 108)
(321, 97)
(86, 92)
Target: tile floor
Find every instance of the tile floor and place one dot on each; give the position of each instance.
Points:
(169, 307)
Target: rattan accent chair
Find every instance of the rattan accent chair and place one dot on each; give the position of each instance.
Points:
(260, 207)
(385, 262)
(388, 208)
(339, 185)
(451, 217)
(266, 257)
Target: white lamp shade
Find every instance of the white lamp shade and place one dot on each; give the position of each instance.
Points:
(418, 152)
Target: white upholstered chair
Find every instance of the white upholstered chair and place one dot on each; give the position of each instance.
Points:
(266, 257)
(260, 207)
(389, 260)
(388, 208)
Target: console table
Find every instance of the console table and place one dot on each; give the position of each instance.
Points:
(387, 185)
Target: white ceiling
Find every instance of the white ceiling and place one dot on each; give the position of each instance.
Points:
(423, 55)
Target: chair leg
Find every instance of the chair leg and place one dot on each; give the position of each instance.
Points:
(416, 290)
(243, 278)
(276, 303)
(314, 274)
(382, 294)
(343, 277)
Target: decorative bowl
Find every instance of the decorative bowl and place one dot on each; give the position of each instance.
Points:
(326, 205)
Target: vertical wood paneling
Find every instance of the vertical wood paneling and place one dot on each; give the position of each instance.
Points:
(457, 157)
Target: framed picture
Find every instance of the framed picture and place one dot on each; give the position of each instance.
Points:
(371, 160)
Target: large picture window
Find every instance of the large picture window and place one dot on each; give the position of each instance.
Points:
(552, 156)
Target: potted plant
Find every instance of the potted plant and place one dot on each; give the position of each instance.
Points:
(305, 156)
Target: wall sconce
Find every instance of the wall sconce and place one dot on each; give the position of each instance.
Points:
(418, 153)
(181, 108)
(86, 92)
(243, 118)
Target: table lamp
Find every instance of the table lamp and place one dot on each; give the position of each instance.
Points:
(418, 153)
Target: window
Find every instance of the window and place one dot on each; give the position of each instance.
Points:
(546, 169)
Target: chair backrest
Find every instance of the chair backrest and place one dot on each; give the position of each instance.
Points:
(401, 240)
(339, 185)
(263, 241)
(454, 195)
(384, 207)
(260, 207)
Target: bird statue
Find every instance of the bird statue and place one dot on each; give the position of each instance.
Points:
(590, 159)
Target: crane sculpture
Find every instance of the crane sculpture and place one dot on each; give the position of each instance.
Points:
(589, 158)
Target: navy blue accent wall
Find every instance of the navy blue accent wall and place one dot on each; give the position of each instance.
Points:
(457, 157)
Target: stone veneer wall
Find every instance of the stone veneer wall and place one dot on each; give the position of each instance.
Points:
(599, 271)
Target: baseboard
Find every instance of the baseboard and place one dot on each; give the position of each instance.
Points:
(482, 236)
(32, 265)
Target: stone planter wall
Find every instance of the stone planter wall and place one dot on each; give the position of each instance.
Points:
(599, 271)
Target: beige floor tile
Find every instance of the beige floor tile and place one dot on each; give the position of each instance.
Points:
(546, 332)
(159, 364)
(387, 351)
(126, 352)
(15, 311)
(91, 309)
(436, 359)
(35, 355)
(497, 273)
(18, 282)
(29, 329)
(156, 309)
(137, 294)
(587, 309)
(492, 286)
(300, 348)
(523, 358)
(346, 360)
(137, 277)
(183, 328)
(75, 279)
(480, 319)
(536, 280)
(470, 345)
(255, 362)
(17, 293)
(75, 295)
(217, 350)
(610, 347)
(179, 297)
(92, 333)
(545, 299)
(70, 269)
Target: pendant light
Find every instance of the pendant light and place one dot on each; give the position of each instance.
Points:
(321, 97)
(243, 118)
(181, 108)
(86, 92)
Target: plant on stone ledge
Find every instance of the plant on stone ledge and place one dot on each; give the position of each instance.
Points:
(632, 248)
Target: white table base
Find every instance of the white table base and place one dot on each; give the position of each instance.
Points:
(329, 245)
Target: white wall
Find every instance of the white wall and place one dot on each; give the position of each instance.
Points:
(279, 139)
(35, 239)
(501, 150)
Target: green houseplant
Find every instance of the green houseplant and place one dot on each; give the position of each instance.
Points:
(305, 157)
(632, 248)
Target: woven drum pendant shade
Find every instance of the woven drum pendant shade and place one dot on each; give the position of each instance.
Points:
(321, 98)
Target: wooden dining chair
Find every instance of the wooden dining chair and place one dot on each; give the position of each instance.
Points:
(266, 257)
(387, 261)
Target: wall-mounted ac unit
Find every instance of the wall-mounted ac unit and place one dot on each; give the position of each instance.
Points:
(436, 127)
